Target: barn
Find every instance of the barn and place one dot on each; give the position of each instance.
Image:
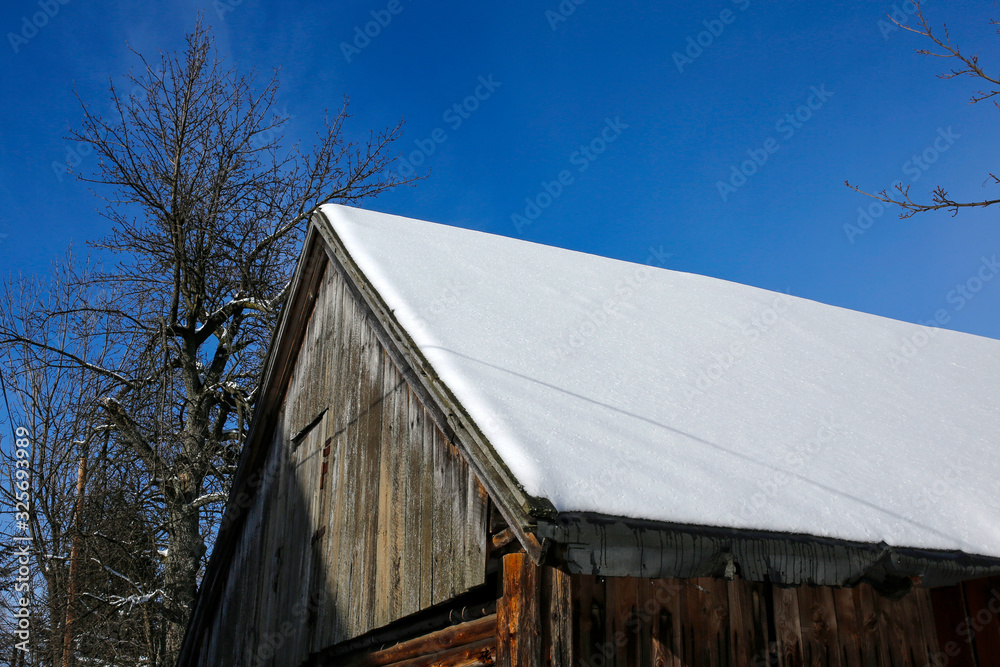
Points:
(475, 450)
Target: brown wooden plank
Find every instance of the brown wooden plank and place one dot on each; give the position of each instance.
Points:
(479, 654)
(920, 650)
(667, 637)
(558, 629)
(748, 622)
(874, 638)
(622, 598)
(818, 623)
(429, 644)
(646, 613)
(982, 602)
(848, 630)
(518, 625)
(891, 616)
(582, 587)
(693, 623)
(952, 624)
(720, 646)
(787, 626)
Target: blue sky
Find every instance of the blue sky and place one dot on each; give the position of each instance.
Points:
(661, 130)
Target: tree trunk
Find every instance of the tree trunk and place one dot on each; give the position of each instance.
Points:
(74, 567)
(186, 547)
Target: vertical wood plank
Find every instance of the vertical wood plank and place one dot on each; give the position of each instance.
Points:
(818, 623)
(329, 615)
(950, 618)
(787, 626)
(582, 587)
(369, 429)
(518, 627)
(874, 638)
(647, 613)
(396, 443)
(387, 602)
(443, 533)
(622, 595)
(895, 632)
(920, 651)
(982, 600)
(848, 632)
(720, 646)
(425, 429)
(694, 616)
(413, 564)
(748, 622)
(667, 640)
(558, 596)
(475, 536)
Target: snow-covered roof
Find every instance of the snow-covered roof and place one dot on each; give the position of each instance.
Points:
(636, 391)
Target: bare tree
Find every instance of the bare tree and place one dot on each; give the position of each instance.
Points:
(965, 66)
(91, 545)
(207, 211)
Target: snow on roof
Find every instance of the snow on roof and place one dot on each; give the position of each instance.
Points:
(632, 391)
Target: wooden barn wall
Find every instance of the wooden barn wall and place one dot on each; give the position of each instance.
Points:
(364, 513)
(548, 617)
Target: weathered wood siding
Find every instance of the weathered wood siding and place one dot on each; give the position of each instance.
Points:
(364, 513)
(548, 617)
(968, 621)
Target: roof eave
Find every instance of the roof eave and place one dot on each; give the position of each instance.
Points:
(603, 545)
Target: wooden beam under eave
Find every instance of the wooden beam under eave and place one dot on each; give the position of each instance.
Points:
(519, 642)
(449, 639)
